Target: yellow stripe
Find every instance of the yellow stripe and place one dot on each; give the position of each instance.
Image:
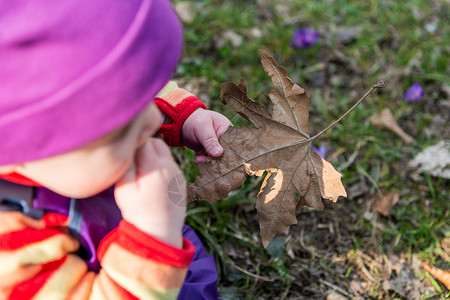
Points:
(170, 86)
(61, 283)
(42, 252)
(140, 290)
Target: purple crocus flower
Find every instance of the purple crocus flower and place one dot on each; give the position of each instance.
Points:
(322, 150)
(414, 93)
(304, 38)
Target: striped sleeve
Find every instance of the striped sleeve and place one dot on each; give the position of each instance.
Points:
(37, 261)
(177, 105)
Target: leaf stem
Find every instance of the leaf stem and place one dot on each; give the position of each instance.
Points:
(380, 84)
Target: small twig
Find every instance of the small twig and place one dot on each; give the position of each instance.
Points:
(336, 288)
(255, 282)
(286, 292)
(312, 251)
(249, 273)
(380, 84)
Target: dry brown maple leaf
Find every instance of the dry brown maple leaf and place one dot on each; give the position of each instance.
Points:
(279, 144)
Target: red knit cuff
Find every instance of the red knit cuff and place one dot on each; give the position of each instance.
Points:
(172, 132)
(131, 238)
(19, 179)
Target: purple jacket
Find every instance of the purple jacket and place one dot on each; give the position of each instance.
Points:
(92, 218)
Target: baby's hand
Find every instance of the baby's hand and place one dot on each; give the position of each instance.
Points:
(201, 132)
(152, 194)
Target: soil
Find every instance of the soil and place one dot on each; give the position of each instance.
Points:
(325, 257)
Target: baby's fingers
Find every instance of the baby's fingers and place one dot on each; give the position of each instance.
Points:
(202, 157)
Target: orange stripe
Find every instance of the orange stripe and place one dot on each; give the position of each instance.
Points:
(176, 96)
(110, 289)
(151, 273)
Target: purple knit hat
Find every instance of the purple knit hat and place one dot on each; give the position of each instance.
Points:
(73, 71)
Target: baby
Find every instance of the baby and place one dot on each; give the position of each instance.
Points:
(83, 92)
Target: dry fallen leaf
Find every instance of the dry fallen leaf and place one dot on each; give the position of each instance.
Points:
(441, 275)
(434, 160)
(385, 203)
(279, 147)
(386, 120)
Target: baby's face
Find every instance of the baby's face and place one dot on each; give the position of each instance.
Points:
(93, 168)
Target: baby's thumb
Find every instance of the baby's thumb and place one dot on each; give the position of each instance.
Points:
(210, 142)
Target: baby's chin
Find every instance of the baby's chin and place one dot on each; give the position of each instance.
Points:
(90, 184)
(80, 193)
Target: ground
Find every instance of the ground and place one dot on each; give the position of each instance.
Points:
(349, 250)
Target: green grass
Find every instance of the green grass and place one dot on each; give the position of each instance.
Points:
(400, 42)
